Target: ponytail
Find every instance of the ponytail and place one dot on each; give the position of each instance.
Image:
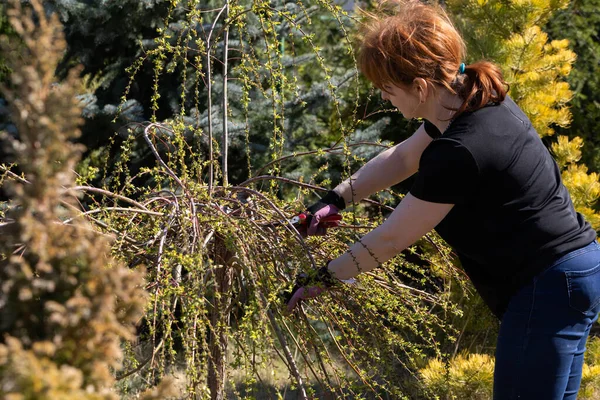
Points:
(482, 84)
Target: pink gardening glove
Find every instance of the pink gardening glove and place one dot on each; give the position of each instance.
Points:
(304, 220)
(303, 293)
(325, 213)
(309, 287)
(315, 227)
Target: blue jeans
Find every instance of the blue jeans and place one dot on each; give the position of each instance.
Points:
(542, 336)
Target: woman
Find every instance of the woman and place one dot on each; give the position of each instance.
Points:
(489, 187)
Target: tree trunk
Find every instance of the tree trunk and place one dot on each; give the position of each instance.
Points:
(220, 319)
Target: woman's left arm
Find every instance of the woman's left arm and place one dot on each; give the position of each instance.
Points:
(410, 221)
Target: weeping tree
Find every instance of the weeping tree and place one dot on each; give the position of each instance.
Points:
(219, 254)
(579, 22)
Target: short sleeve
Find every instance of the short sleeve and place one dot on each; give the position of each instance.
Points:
(448, 173)
(431, 130)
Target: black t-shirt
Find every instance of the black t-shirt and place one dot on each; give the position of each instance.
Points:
(512, 216)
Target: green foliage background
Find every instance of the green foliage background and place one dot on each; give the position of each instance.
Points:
(5, 28)
(579, 22)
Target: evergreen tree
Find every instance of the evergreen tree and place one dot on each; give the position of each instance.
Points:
(579, 22)
(65, 304)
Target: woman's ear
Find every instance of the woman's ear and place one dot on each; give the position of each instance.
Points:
(421, 89)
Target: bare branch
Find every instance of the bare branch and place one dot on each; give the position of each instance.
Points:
(110, 194)
(225, 101)
(330, 150)
(209, 109)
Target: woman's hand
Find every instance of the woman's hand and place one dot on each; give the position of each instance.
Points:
(309, 286)
(327, 209)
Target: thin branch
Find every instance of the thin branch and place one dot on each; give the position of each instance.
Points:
(318, 355)
(110, 194)
(13, 175)
(288, 224)
(286, 350)
(308, 186)
(196, 229)
(157, 156)
(330, 150)
(118, 233)
(354, 367)
(142, 364)
(390, 288)
(304, 354)
(225, 132)
(279, 178)
(209, 110)
(97, 210)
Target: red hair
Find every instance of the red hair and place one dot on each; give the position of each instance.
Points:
(417, 40)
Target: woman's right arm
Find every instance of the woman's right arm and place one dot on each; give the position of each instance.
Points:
(385, 170)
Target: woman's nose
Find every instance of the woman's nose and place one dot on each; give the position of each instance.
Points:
(384, 95)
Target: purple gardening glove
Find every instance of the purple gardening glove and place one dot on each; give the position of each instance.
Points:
(331, 204)
(308, 287)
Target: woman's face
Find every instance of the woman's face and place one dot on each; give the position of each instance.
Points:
(406, 102)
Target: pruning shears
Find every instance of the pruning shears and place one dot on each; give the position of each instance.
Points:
(304, 219)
